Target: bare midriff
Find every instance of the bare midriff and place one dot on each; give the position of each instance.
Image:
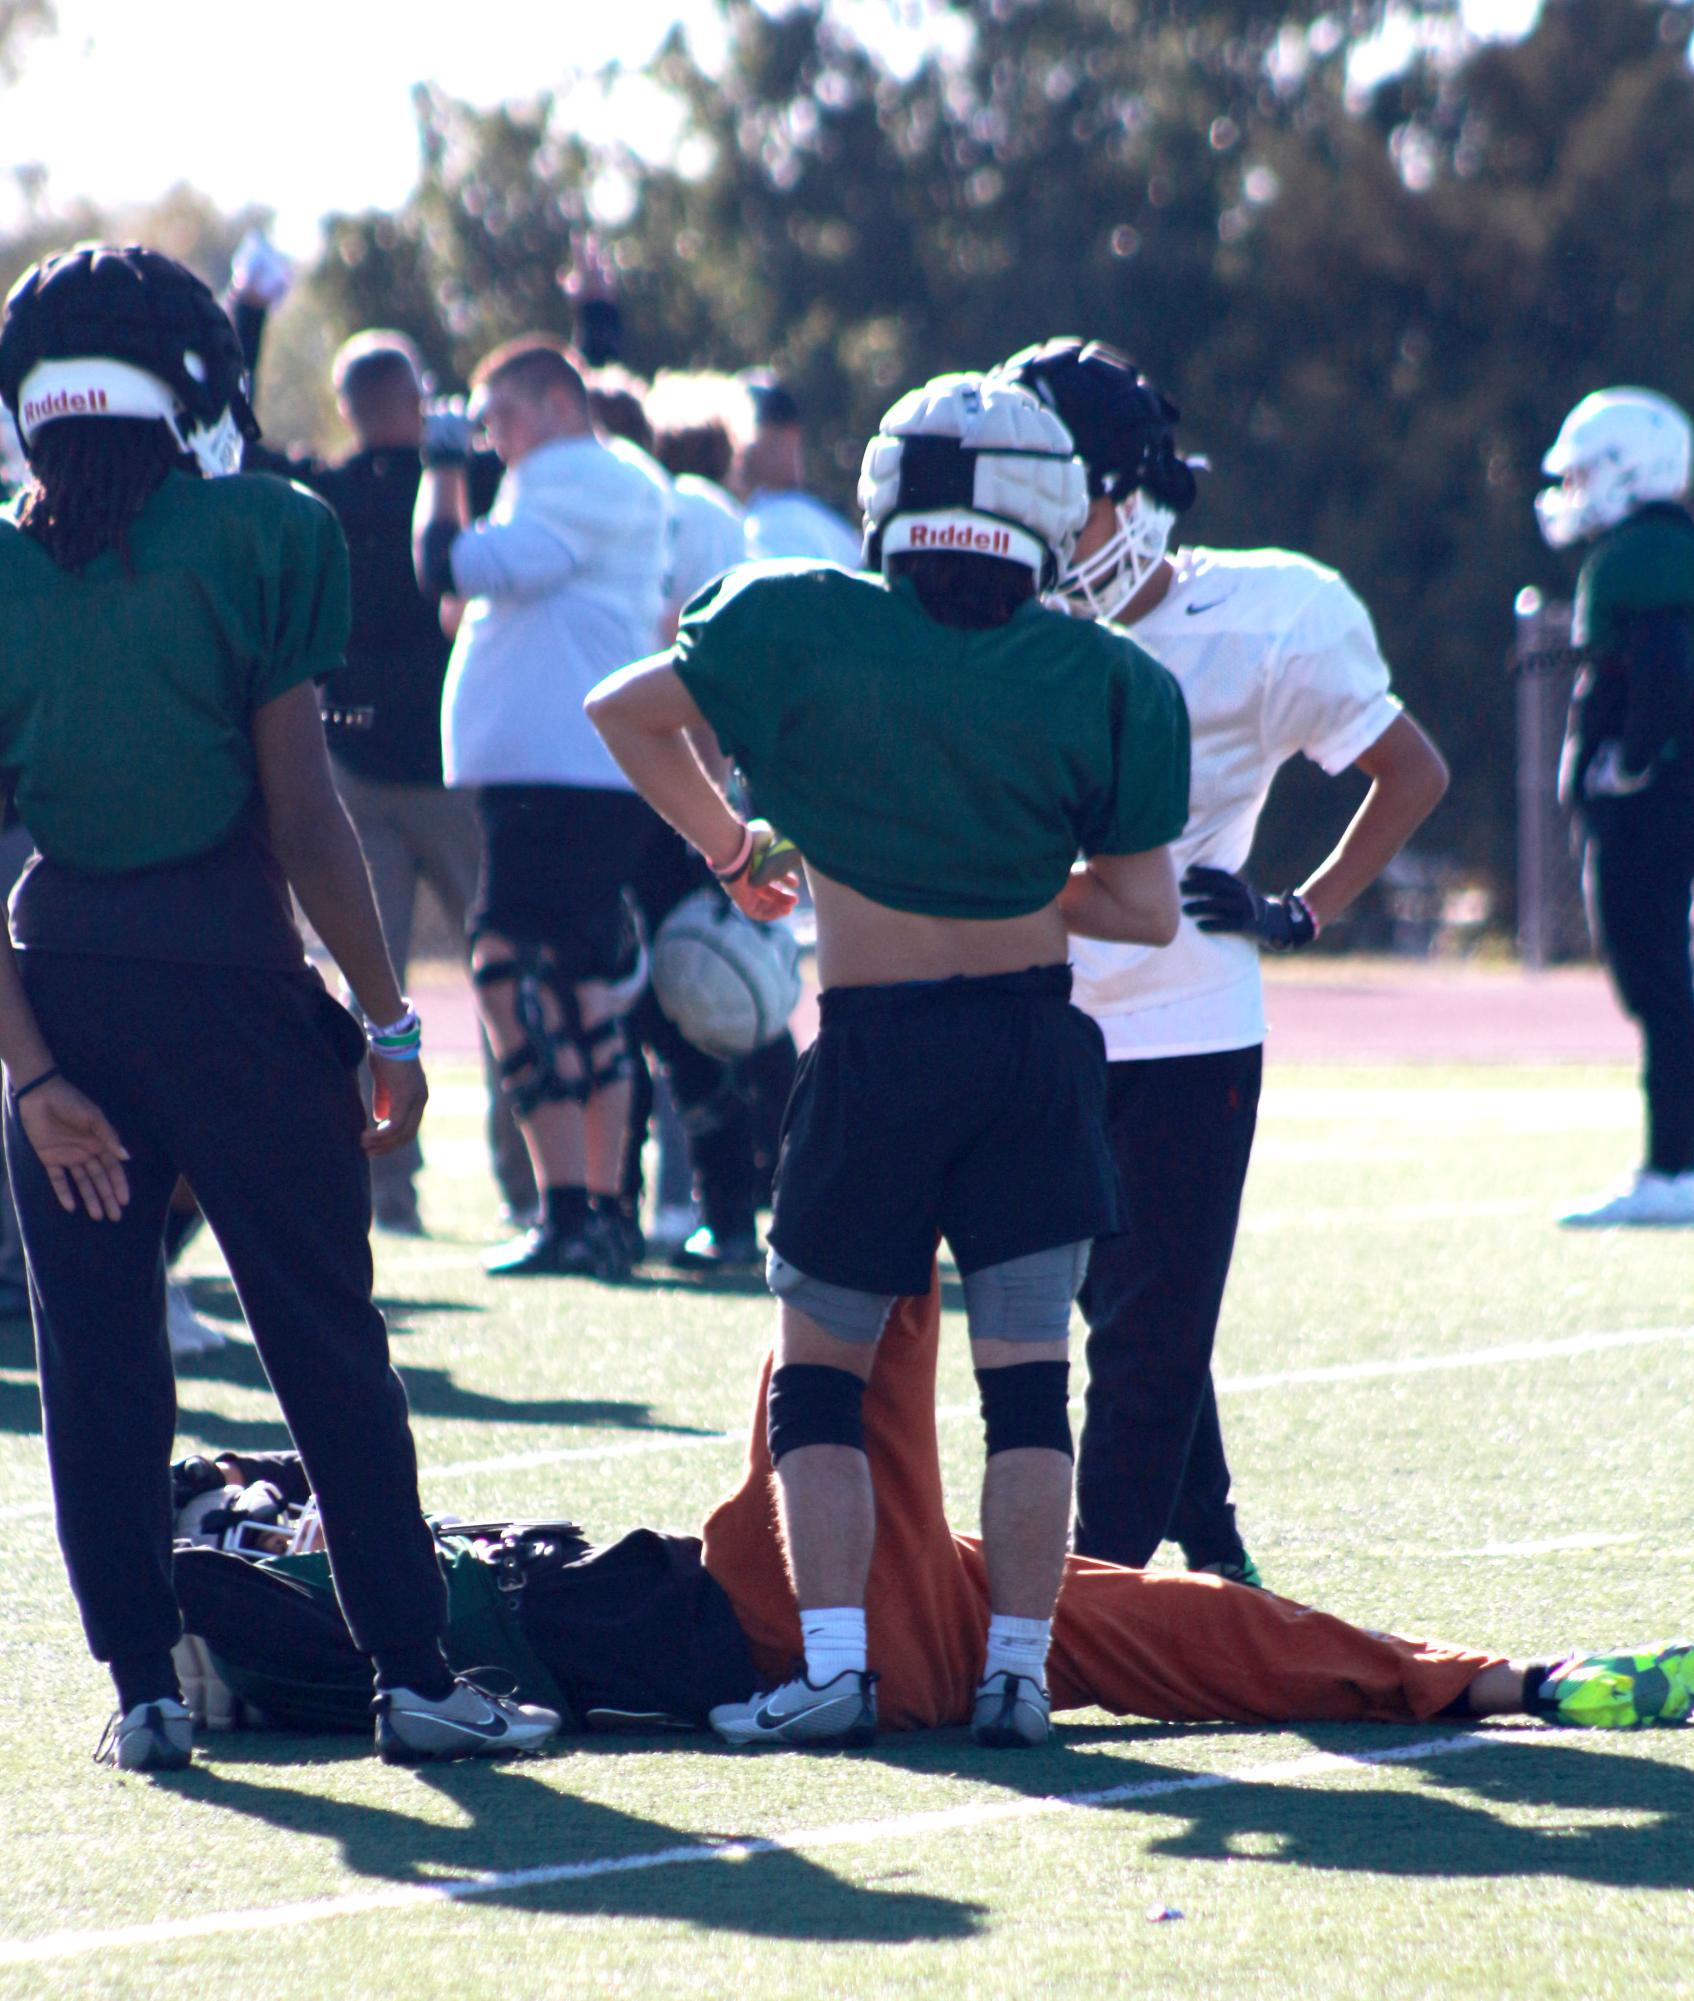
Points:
(865, 944)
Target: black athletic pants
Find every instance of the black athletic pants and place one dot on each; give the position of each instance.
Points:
(1640, 878)
(243, 1081)
(1151, 1460)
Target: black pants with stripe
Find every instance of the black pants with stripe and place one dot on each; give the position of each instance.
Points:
(244, 1081)
(1151, 1461)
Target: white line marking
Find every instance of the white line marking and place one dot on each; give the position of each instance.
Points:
(1468, 1358)
(1333, 1372)
(1548, 1545)
(948, 1820)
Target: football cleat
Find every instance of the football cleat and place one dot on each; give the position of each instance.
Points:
(1244, 1571)
(840, 1711)
(411, 1729)
(151, 1737)
(1629, 1691)
(1011, 1712)
(711, 1250)
(1648, 1202)
(188, 1333)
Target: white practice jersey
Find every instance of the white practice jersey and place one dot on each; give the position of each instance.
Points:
(788, 522)
(565, 582)
(711, 536)
(1275, 656)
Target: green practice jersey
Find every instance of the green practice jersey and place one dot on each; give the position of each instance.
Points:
(127, 695)
(953, 773)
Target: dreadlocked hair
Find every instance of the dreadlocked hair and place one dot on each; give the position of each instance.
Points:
(89, 479)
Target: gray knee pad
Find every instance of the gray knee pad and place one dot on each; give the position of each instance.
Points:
(841, 1310)
(1028, 1298)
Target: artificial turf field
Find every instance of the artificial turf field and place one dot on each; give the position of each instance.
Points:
(1445, 1417)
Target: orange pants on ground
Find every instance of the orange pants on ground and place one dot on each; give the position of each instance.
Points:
(1176, 1648)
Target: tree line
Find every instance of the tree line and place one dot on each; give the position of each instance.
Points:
(1374, 306)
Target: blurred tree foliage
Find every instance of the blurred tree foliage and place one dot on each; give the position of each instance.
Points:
(1373, 305)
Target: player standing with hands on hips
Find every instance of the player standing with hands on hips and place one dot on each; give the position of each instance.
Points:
(1275, 656)
(1622, 463)
(161, 629)
(940, 747)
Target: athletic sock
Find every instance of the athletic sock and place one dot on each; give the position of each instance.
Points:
(566, 1210)
(422, 1668)
(144, 1678)
(835, 1642)
(1535, 1677)
(1017, 1646)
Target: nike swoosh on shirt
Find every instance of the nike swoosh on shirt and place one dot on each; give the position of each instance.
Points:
(1211, 604)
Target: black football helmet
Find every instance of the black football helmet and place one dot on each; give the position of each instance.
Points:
(1125, 432)
(119, 330)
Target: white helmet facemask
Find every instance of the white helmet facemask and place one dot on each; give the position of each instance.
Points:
(1618, 450)
(1102, 583)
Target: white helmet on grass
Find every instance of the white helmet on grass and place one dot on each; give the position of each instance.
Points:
(1618, 450)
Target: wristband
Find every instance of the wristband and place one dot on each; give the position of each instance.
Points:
(400, 1041)
(1296, 901)
(35, 1084)
(737, 865)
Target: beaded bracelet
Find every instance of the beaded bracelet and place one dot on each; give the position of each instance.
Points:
(401, 1041)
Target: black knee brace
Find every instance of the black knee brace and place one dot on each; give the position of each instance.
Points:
(531, 1075)
(811, 1404)
(1026, 1405)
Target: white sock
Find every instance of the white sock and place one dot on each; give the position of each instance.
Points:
(1017, 1646)
(835, 1642)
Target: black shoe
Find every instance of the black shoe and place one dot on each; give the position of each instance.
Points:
(543, 1252)
(707, 1251)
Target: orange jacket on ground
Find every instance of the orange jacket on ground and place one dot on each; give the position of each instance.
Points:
(1177, 1648)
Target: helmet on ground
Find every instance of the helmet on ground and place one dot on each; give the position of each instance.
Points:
(971, 465)
(727, 983)
(1125, 433)
(111, 330)
(1615, 452)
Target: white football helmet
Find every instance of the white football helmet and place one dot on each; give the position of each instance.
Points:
(974, 466)
(1615, 452)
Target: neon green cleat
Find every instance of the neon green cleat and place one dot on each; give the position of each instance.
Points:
(1623, 1691)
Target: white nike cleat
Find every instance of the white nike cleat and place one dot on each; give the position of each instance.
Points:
(469, 1723)
(189, 1334)
(1648, 1202)
(841, 1711)
(151, 1737)
(1012, 1711)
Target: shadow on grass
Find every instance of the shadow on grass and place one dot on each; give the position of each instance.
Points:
(1617, 1818)
(510, 1823)
(214, 1299)
(432, 1393)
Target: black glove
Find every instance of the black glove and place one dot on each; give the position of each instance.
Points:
(1219, 901)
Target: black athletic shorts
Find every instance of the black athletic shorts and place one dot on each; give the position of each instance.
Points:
(556, 860)
(973, 1109)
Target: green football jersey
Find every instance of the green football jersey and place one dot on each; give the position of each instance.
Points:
(953, 773)
(1644, 564)
(127, 693)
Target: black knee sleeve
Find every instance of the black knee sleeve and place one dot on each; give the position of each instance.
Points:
(1026, 1405)
(810, 1404)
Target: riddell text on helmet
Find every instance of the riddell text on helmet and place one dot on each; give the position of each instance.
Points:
(990, 541)
(66, 403)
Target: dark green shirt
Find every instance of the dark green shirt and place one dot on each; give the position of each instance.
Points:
(126, 699)
(954, 773)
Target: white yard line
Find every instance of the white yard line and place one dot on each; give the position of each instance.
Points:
(1334, 1372)
(858, 1833)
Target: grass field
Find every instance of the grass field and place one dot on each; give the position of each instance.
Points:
(1444, 1415)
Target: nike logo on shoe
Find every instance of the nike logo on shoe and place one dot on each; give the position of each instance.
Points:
(1211, 604)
